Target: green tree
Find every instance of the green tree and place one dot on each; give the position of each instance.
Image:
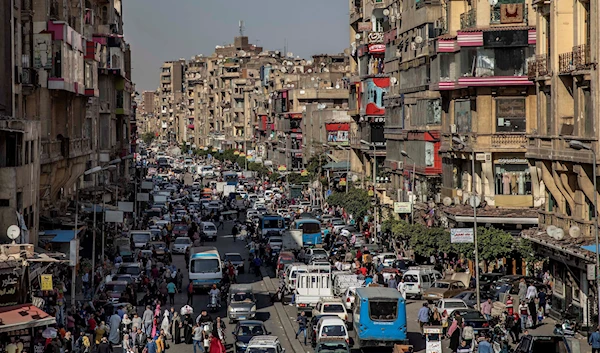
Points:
(315, 163)
(356, 202)
(148, 137)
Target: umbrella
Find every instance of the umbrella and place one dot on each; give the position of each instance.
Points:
(50, 332)
(187, 310)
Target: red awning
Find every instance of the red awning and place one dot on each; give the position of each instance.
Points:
(337, 126)
(24, 316)
(191, 126)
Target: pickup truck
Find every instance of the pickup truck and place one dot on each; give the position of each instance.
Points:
(310, 288)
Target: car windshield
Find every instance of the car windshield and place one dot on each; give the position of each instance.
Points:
(471, 315)
(334, 330)
(159, 245)
(260, 350)
(205, 266)
(141, 238)
(332, 348)
(182, 241)
(273, 223)
(119, 288)
(129, 270)
(210, 227)
(122, 278)
(241, 296)
(319, 252)
(250, 330)
(310, 228)
(454, 305)
(441, 285)
(333, 308)
(182, 227)
(233, 257)
(338, 223)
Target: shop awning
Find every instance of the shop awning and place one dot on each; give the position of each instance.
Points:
(61, 236)
(590, 248)
(336, 166)
(24, 316)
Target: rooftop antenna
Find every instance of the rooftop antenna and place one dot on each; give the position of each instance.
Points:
(241, 24)
(285, 47)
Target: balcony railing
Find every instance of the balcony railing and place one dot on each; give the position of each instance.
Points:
(565, 63)
(537, 66)
(509, 140)
(468, 19)
(581, 57)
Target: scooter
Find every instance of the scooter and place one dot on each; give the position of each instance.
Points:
(213, 303)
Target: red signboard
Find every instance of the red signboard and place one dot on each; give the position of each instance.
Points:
(337, 126)
(376, 48)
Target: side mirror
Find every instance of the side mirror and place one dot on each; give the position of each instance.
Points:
(268, 332)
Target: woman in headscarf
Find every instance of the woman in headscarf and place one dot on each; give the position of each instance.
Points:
(155, 326)
(176, 328)
(219, 329)
(126, 323)
(188, 324)
(157, 309)
(86, 346)
(454, 334)
(165, 324)
(160, 342)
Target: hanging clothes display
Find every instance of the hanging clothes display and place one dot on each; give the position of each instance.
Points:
(505, 184)
(521, 183)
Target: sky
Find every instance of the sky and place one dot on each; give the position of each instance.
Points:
(162, 30)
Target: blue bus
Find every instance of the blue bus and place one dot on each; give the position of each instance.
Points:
(271, 223)
(231, 178)
(379, 317)
(311, 230)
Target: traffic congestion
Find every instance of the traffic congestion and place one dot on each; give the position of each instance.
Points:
(219, 259)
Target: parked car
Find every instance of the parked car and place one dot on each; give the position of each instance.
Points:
(450, 304)
(443, 288)
(469, 297)
(241, 303)
(335, 346)
(474, 318)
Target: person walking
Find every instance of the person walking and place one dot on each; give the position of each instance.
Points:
(594, 341)
(198, 339)
(171, 290)
(302, 321)
(486, 309)
(147, 318)
(190, 294)
(423, 317)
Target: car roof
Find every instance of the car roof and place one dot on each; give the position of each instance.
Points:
(452, 300)
(378, 292)
(449, 281)
(188, 238)
(331, 320)
(124, 283)
(250, 322)
(129, 264)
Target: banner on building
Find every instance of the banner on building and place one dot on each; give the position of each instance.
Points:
(365, 26)
(402, 207)
(113, 216)
(147, 185)
(461, 235)
(46, 282)
(143, 197)
(125, 206)
(73, 252)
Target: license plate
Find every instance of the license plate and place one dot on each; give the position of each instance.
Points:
(242, 318)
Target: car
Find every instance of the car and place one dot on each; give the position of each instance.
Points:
(215, 205)
(331, 328)
(473, 318)
(252, 213)
(316, 253)
(265, 344)
(236, 260)
(443, 288)
(387, 258)
(115, 289)
(160, 250)
(450, 304)
(469, 297)
(245, 330)
(547, 344)
(180, 230)
(241, 302)
(312, 327)
(285, 257)
(331, 306)
(130, 268)
(209, 230)
(348, 297)
(337, 224)
(276, 243)
(181, 244)
(332, 346)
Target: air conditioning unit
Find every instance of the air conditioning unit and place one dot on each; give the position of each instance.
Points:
(400, 165)
(453, 128)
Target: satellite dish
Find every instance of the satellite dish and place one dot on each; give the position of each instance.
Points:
(386, 12)
(493, 2)
(574, 232)
(418, 39)
(309, 71)
(242, 53)
(559, 234)
(447, 201)
(13, 232)
(393, 80)
(551, 230)
(475, 201)
(325, 70)
(354, 178)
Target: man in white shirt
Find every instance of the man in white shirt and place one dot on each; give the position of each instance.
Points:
(531, 293)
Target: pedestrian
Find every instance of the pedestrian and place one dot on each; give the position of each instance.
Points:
(486, 309)
(147, 318)
(594, 341)
(484, 346)
(105, 347)
(402, 288)
(522, 289)
(171, 290)
(302, 321)
(198, 339)
(454, 334)
(532, 312)
(190, 294)
(510, 323)
(150, 346)
(176, 326)
(423, 317)
(523, 315)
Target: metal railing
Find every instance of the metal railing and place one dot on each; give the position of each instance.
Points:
(565, 63)
(538, 66)
(468, 19)
(581, 57)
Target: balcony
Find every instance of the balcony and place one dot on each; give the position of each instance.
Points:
(565, 63)
(538, 66)
(565, 222)
(581, 57)
(509, 140)
(79, 147)
(468, 19)
(356, 14)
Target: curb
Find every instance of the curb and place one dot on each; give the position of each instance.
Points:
(283, 317)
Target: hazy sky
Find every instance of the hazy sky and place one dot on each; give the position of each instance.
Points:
(161, 30)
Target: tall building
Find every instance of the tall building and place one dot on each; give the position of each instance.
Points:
(170, 99)
(562, 148)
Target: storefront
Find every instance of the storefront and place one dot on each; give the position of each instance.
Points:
(23, 325)
(512, 180)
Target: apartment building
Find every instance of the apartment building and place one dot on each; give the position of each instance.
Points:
(563, 148)
(171, 90)
(369, 85)
(20, 128)
(488, 107)
(196, 96)
(412, 109)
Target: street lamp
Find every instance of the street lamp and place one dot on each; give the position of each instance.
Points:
(578, 145)
(412, 207)
(374, 176)
(460, 142)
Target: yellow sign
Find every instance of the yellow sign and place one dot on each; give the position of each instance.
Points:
(342, 181)
(46, 282)
(304, 173)
(282, 168)
(236, 153)
(242, 154)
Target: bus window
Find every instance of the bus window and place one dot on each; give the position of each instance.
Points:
(380, 310)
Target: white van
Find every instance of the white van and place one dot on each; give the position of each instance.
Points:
(210, 230)
(140, 238)
(291, 274)
(419, 279)
(205, 267)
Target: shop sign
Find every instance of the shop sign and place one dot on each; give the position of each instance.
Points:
(371, 192)
(511, 161)
(591, 272)
(376, 48)
(9, 292)
(46, 282)
(377, 119)
(461, 235)
(342, 182)
(365, 26)
(402, 207)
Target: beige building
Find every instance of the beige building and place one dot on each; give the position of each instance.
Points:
(171, 90)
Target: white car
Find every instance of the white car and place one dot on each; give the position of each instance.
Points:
(252, 213)
(348, 298)
(210, 230)
(276, 243)
(181, 244)
(387, 258)
(450, 304)
(215, 204)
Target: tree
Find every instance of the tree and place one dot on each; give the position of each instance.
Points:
(297, 179)
(316, 163)
(356, 202)
(148, 137)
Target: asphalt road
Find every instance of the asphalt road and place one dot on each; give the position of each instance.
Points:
(265, 311)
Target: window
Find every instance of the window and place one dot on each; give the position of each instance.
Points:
(512, 179)
(333, 308)
(510, 115)
(462, 115)
(205, 266)
(380, 310)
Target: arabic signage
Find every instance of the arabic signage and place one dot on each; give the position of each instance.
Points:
(402, 207)
(461, 235)
(10, 289)
(365, 26)
(376, 48)
(46, 282)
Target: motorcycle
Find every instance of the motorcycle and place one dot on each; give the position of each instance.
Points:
(213, 303)
(568, 327)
